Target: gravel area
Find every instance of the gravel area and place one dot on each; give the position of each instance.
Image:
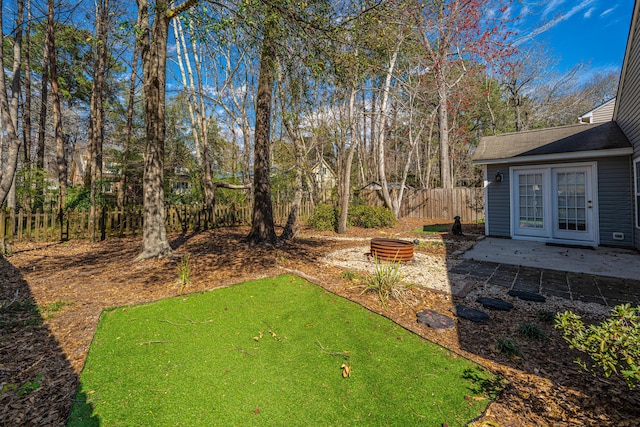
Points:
(425, 270)
(431, 272)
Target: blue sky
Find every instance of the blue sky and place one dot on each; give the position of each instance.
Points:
(590, 31)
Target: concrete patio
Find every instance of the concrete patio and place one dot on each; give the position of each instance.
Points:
(608, 276)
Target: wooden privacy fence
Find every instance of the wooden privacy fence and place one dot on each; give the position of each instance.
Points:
(46, 226)
(436, 203)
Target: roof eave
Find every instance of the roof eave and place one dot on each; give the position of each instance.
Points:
(573, 155)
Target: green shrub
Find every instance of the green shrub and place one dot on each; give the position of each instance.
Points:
(546, 316)
(325, 217)
(371, 216)
(509, 347)
(531, 330)
(613, 345)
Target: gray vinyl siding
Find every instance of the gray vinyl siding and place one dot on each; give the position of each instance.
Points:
(628, 114)
(634, 201)
(614, 200)
(615, 211)
(498, 212)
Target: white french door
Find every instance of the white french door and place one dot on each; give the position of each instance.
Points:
(573, 204)
(554, 203)
(531, 211)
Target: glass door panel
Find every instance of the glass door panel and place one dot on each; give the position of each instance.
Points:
(573, 204)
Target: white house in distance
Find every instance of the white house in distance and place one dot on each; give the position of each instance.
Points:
(324, 179)
(577, 184)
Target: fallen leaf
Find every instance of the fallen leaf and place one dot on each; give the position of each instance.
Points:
(346, 370)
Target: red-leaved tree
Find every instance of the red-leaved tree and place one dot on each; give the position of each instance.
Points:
(455, 34)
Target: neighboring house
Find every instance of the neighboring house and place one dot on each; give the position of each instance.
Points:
(180, 181)
(600, 114)
(324, 179)
(576, 184)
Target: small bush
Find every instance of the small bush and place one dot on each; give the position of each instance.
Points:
(386, 281)
(325, 217)
(509, 347)
(349, 275)
(613, 345)
(545, 315)
(531, 330)
(371, 216)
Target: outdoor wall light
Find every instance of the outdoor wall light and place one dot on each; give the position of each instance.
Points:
(499, 177)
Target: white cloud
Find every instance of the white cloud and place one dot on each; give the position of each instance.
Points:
(608, 11)
(589, 12)
(552, 6)
(546, 26)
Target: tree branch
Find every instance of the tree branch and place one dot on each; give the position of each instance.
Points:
(181, 8)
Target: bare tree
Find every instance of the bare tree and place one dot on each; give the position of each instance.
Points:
(452, 33)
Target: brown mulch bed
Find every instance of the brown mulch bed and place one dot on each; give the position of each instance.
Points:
(52, 296)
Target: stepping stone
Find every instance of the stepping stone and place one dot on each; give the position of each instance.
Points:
(527, 296)
(495, 303)
(435, 320)
(470, 313)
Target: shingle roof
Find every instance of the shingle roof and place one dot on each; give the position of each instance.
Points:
(559, 140)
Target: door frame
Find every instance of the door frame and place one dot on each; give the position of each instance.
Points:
(547, 234)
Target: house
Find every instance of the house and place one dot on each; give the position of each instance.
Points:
(600, 114)
(577, 184)
(324, 179)
(180, 181)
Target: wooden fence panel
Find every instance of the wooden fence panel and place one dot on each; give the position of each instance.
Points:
(45, 226)
(435, 203)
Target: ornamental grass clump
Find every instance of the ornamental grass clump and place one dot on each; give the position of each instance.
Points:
(184, 272)
(613, 345)
(386, 280)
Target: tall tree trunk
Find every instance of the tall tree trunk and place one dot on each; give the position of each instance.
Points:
(262, 228)
(293, 130)
(207, 178)
(61, 158)
(42, 122)
(443, 128)
(154, 56)
(345, 169)
(26, 116)
(154, 65)
(128, 139)
(382, 128)
(15, 90)
(8, 112)
(96, 113)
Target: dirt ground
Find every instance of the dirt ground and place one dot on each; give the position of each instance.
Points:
(52, 296)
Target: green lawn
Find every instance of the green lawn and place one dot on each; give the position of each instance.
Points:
(269, 352)
(433, 229)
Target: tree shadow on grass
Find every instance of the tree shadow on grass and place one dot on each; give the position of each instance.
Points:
(36, 379)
